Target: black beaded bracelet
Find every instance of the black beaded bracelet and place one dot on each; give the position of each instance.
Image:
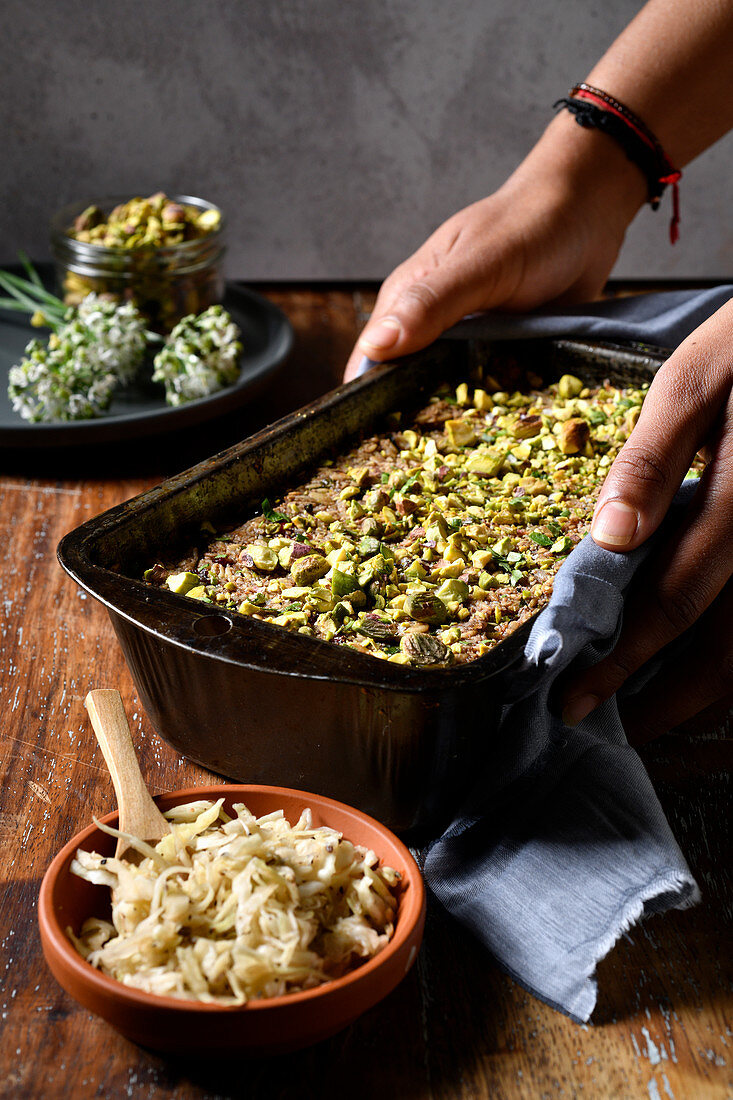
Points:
(595, 109)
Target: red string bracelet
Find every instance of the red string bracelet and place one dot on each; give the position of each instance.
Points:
(597, 109)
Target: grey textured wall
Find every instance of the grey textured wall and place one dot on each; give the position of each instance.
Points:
(335, 134)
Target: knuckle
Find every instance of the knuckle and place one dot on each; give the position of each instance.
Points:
(417, 298)
(388, 291)
(679, 605)
(610, 673)
(681, 379)
(643, 466)
(619, 666)
(400, 277)
(403, 274)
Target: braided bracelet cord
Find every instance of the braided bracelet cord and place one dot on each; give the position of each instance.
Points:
(596, 109)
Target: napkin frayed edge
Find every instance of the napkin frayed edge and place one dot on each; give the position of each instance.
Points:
(687, 895)
(681, 892)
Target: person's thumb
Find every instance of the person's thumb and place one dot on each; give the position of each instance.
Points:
(643, 480)
(416, 313)
(415, 306)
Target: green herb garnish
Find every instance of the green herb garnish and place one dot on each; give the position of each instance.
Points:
(30, 296)
(270, 514)
(403, 488)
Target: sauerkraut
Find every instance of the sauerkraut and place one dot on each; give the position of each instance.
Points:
(230, 909)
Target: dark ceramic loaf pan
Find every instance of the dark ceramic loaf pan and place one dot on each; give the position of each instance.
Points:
(261, 705)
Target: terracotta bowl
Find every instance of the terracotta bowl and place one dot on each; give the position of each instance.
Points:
(261, 1027)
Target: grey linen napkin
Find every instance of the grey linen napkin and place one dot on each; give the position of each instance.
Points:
(550, 863)
(548, 866)
(664, 319)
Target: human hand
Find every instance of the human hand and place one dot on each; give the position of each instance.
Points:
(688, 577)
(550, 234)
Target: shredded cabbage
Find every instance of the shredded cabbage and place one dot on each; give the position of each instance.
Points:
(229, 909)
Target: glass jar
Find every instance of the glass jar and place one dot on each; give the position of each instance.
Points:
(165, 281)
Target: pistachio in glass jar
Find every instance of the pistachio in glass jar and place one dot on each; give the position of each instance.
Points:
(163, 253)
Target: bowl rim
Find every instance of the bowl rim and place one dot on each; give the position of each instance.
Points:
(104, 984)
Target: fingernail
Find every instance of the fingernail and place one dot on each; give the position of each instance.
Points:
(384, 334)
(576, 710)
(615, 524)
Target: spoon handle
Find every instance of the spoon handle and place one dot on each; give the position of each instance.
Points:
(138, 814)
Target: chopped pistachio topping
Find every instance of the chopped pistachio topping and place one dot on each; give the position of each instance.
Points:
(144, 223)
(430, 541)
(160, 254)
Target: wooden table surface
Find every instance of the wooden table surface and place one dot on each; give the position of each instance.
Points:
(456, 1027)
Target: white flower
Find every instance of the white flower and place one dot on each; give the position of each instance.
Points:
(119, 331)
(200, 356)
(74, 376)
(62, 382)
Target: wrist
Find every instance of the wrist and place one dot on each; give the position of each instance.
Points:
(590, 171)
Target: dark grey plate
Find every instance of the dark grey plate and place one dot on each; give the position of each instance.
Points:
(140, 410)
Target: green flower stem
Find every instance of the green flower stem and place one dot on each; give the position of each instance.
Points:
(30, 296)
(30, 270)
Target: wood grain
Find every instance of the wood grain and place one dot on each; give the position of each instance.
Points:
(456, 1029)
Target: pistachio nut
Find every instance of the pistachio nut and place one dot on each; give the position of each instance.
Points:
(425, 649)
(574, 434)
(376, 628)
(306, 570)
(263, 558)
(424, 607)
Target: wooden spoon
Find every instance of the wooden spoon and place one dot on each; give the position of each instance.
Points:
(138, 813)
